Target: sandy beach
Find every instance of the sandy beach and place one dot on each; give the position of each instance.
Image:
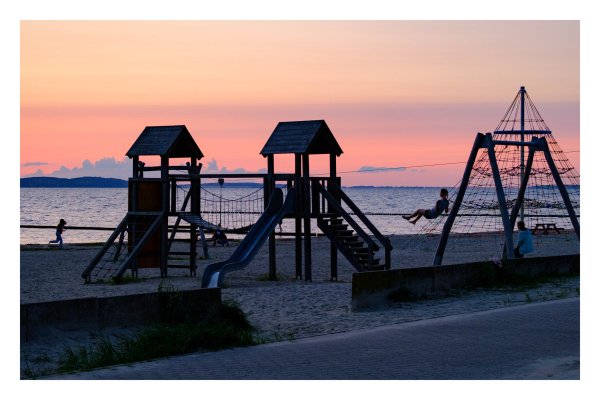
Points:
(288, 308)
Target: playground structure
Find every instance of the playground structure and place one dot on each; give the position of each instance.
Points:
(142, 238)
(508, 221)
(545, 190)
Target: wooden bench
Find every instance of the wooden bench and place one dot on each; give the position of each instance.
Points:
(545, 228)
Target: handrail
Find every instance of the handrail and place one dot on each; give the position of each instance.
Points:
(385, 242)
(340, 210)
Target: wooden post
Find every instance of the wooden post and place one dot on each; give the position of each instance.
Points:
(136, 162)
(134, 187)
(514, 213)
(439, 255)
(501, 198)
(204, 244)
(173, 196)
(164, 175)
(271, 180)
(561, 186)
(298, 218)
(195, 208)
(307, 244)
(330, 189)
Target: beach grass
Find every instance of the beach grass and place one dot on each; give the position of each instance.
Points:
(266, 278)
(231, 329)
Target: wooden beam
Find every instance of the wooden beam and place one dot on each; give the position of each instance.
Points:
(514, 213)
(237, 176)
(136, 162)
(173, 196)
(561, 187)
(439, 254)
(307, 243)
(164, 234)
(331, 189)
(298, 217)
(508, 233)
(271, 181)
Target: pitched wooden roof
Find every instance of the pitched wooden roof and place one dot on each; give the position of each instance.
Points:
(302, 137)
(171, 141)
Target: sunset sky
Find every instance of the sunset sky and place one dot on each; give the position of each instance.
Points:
(394, 93)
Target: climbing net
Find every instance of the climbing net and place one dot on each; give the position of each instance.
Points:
(234, 215)
(479, 213)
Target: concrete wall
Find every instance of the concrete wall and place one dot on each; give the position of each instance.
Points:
(370, 290)
(119, 311)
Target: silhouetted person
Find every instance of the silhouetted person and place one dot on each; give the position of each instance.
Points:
(441, 205)
(219, 237)
(525, 241)
(59, 230)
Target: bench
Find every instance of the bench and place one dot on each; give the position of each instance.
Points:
(545, 229)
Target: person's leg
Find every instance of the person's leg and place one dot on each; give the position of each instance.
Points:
(55, 241)
(412, 215)
(419, 212)
(517, 254)
(59, 237)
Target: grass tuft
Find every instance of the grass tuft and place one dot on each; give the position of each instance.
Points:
(231, 329)
(265, 277)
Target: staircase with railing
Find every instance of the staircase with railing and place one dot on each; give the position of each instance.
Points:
(343, 231)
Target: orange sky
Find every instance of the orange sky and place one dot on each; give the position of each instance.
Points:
(394, 93)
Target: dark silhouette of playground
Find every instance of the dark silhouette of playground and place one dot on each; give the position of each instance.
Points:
(142, 241)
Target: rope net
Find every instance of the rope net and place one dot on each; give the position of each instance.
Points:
(479, 213)
(233, 215)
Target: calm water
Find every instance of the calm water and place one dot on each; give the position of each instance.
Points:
(106, 207)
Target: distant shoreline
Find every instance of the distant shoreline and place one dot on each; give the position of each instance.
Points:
(97, 182)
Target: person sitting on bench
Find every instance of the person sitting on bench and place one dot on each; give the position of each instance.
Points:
(525, 241)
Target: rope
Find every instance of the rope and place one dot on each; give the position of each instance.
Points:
(542, 200)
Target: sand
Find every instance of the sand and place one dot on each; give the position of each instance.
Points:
(287, 308)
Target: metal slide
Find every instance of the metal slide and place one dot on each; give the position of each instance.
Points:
(242, 256)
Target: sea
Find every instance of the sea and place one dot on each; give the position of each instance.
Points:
(106, 207)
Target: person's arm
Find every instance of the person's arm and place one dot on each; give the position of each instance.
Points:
(521, 239)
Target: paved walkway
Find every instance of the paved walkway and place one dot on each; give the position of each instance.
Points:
(534, 341)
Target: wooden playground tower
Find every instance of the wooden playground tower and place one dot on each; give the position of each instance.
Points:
(320, 198)
(142, 239)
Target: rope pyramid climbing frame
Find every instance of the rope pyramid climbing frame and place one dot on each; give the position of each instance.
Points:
(479, 213)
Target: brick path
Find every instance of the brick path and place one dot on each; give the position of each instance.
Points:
(534, 341)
